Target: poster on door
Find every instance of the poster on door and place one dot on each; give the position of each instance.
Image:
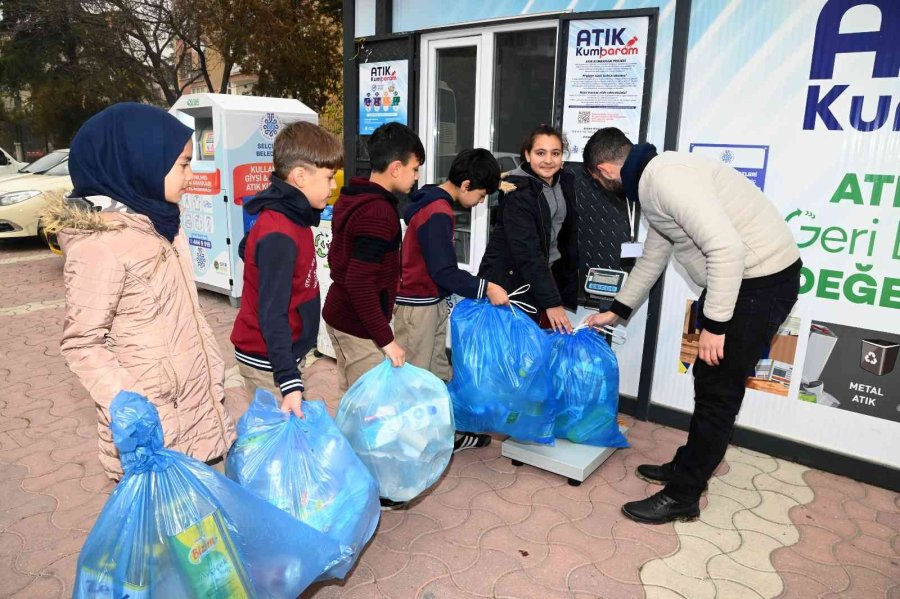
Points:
(383, 94)
(605, 70)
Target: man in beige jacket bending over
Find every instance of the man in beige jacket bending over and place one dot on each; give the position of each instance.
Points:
(735, 245)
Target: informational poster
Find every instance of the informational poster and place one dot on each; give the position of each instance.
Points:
(604, 87)
(383, 94)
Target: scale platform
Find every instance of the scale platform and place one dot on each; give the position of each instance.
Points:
(572, 460)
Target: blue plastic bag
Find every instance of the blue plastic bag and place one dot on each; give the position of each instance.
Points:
(585, 376)
(308, 469)
(400, 423)
(174, 527)
(500, 377)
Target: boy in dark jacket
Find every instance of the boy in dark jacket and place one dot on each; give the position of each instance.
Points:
(430, 273)
(365, 255)
(279, 317)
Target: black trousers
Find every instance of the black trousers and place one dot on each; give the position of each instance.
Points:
(719, 390)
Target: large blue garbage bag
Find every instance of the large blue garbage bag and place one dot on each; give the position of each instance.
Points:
(174, 527)
(585, 376)
(308, 469)
(500, 377)
(400, 423)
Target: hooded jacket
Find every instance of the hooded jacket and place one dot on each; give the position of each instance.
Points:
(430, 271)
(278, 322)
(518, 250)
(133, 322)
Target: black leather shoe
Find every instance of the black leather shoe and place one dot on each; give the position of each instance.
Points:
(660, 508)
(659, 475)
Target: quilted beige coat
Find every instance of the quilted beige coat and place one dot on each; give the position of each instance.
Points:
(133, 322)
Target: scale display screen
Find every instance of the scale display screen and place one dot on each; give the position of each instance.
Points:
(604, 281)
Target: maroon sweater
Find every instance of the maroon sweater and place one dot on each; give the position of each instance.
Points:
(365, 262)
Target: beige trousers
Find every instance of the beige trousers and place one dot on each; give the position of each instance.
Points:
(355, 356)
(422, 332)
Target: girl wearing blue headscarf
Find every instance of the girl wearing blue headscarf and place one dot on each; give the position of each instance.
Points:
(133, 320)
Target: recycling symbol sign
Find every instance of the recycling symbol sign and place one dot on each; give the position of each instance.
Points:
(871, 358)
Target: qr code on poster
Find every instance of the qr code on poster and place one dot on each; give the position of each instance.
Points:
(584, 117)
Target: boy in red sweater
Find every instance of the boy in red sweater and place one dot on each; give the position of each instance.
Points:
(365, 255)
(279, 317)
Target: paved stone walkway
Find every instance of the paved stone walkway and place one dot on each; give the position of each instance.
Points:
(770, 528)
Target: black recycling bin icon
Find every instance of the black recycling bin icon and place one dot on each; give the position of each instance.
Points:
(878, 356)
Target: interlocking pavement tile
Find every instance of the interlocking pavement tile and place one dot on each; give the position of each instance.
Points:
(740, 475)
(517, 585)
(661, 538)
(413, 526)
(720, 511)
(440, 545)
(36, 561)
(44, 483)
(364, 591)
(39, 504)
(877, 530)
(689, 561)
(488, 569)
(384, 561)
(527, 484)
(361, 574)
(527, 553)
(651, 592)
(477, 524)
(814, 515)
(775, 507)
(729, 589)
(831, 575)
(786, 534)
(748, 498)
(600, 522)
(41, 586)
(865, 584)
(890, 520)
(574, 509)
(80, 516)
(461, 496)
(594, 582)
(848, 554)
(444, 516)
(494, 480)
(596, 548)
(790, 473)
(755, 551)
(418, 572)
(726, 539)
(444, 588)
(503, 511)
(798, 586)
(537, 526)
(767, 482)
(554, 571)
(877, 546)
(817, 544)
(658, 575)
(849, 488)
(723, 567)
(859, 511)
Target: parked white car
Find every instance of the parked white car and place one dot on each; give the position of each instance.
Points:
(24, 195)
(8, 165)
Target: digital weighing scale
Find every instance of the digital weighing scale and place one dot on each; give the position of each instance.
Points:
(575, 461)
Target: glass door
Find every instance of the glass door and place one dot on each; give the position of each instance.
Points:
(451, 116)
(483, 88)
